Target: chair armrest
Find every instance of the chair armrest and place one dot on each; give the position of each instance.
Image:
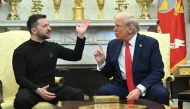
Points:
(168, 80)
(59, 81)
(109, 79)
(1, 92)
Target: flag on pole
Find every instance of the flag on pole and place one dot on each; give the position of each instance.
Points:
(171, 20)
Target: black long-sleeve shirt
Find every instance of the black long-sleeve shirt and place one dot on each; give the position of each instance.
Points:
(34, 63)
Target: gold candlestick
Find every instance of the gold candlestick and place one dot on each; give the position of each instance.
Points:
(13, 9)
(78, 10)
(57, 4)
(121, 6)
(36, 7)
(144, 8)
(101, 6)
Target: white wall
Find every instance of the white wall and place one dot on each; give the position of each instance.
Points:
(91, 9)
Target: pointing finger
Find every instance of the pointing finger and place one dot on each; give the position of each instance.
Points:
(100, 46)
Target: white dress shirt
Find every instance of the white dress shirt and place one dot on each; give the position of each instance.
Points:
(121, 61)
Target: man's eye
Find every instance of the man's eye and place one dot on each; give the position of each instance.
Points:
(44, 26)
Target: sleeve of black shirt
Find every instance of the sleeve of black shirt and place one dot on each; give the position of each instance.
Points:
(73, 55)
(19, 67)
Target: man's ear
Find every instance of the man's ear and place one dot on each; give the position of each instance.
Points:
(130, 30)
(33, 30)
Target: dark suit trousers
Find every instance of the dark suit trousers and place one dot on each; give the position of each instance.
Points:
(26, 99)
(157, 93)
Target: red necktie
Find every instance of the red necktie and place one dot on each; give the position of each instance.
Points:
(128, 67)
(130, 104)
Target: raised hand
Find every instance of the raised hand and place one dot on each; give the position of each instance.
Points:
(44, 93)
(81, 29)
(99, 55)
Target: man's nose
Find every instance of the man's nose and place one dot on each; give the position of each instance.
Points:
(114, 28)
(49, 27)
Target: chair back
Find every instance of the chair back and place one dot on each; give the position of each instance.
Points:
(164, 45)
(8, 42)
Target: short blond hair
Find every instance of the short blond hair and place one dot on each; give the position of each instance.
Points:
(129, 19)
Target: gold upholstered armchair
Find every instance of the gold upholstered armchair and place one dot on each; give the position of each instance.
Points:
(8, 86)
(164, 44)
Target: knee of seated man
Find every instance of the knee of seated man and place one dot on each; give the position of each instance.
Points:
(78, 95)
(103, 91)
(21, 100)
(162, 96)
(161, 93)
(78, 92)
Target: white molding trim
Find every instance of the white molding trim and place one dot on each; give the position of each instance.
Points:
(71, 23)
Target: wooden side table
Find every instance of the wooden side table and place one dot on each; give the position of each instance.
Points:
(184, 70)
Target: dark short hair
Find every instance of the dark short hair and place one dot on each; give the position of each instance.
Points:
(33, 21)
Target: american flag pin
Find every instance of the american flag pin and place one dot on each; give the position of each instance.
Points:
(140, 45)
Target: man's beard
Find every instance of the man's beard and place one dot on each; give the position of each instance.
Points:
(42, 36)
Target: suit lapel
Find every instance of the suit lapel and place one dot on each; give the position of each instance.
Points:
(137, 51)
(117, 50)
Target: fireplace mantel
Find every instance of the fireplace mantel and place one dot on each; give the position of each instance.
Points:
(19, 24)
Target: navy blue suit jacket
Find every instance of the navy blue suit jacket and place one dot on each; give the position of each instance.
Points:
(147, 67)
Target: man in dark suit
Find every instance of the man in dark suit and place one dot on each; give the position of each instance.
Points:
(147, 65)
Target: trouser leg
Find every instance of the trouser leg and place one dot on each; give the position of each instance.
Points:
(111, 89)
(159, 94)
(26, 99)
(66, 93)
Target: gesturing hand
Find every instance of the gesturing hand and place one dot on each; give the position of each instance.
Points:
(81, 29)
(44, 93)
(99, 55)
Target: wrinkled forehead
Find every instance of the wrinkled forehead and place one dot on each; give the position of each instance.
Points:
(120, 21)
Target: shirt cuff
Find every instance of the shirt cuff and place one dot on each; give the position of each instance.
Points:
(142, 88)
(101, 67)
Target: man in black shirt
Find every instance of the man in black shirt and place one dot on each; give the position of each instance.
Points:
(34, 64)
